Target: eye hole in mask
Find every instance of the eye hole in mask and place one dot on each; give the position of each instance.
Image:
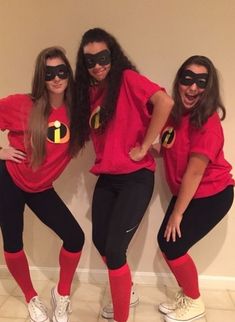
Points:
(102, 58)
(60, 70)
(188, 78)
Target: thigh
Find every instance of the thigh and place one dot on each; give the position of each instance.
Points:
(53, 212)
(200, 217)
(130, 206)
(102, 205)
(11, 211)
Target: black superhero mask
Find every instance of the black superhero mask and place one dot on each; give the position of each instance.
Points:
(188, 78)
(102, 58)
(60, 70)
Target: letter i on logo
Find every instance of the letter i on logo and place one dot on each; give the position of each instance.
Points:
(97, 121)
(57, 132)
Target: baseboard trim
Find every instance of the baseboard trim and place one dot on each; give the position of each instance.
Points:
(100, 276)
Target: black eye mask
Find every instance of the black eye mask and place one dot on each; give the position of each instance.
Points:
(188, 78)
(102, 58)
(60, 70)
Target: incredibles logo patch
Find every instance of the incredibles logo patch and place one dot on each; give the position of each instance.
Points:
(57, 132)
(94, 120)
(168, 137)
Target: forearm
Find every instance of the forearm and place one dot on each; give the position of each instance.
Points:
(162, 106)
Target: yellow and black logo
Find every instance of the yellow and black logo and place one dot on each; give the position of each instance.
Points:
(57, 132)
(94, 120)
(168, 137)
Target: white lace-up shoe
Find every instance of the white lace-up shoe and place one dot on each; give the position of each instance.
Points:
(107, 311)
(37, 310)
(60, 306)
(168, 307)
(187, 310)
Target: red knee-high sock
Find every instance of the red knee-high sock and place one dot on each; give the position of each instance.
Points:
(19, 268)
(120, 285)
(186, 274)
(166, 260)
(68, 264)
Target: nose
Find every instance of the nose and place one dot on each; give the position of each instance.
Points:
(56, 78)
(193, 86)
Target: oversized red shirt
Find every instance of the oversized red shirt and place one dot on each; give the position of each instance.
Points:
(14, 113)
(179, 142)
(127, 127)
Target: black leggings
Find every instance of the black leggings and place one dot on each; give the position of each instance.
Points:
(201, 216)
(47, 206)
(119, 204)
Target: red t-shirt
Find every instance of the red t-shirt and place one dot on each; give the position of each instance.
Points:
(179, 142)
(14, 113)
(127, 127)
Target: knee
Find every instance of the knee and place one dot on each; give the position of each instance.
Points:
(99, 243)
(75, 242)
(115, 258)
(161, 242)
(171, 250)
(12, 245)
(80, 240)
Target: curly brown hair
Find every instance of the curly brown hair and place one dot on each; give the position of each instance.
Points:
(119, 62)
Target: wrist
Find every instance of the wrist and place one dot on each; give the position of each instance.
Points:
(157, 140)
(144, 148)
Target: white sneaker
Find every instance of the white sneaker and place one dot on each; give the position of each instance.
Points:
(168, 307)
(107, 311)
(60, 306)
(188, 310)
(37, 310)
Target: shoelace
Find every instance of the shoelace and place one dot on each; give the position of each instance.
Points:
(63, 305)
(38, 307)
(178, 296)
(183, 301)
(183, 305)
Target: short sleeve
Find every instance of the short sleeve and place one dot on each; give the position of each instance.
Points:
(12, 110)
(208, 140)
(140, 87)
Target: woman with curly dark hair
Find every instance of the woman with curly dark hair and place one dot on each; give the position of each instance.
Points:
(40, 126)
(123, 113)
(199, 178)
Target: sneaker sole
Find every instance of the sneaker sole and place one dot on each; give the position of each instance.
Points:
(162, 309)
(109, 315)
(167, 319)
(47, 320)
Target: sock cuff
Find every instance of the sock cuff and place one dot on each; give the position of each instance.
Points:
(119, 271)
(14, 255)
(178, 261)
(66, 253)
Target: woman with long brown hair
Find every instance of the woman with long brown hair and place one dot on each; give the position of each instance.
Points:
(40, 126)
(199, 178)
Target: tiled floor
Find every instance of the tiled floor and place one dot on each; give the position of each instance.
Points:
(87, 300)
